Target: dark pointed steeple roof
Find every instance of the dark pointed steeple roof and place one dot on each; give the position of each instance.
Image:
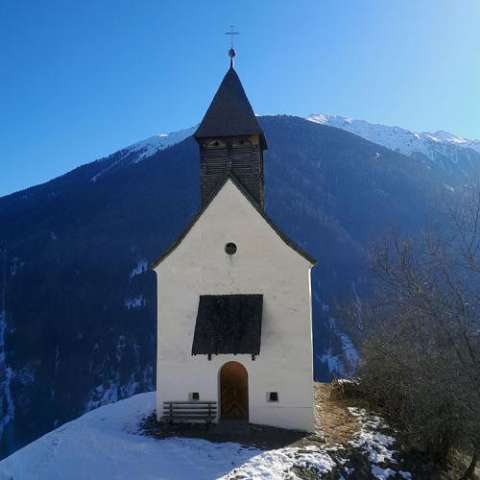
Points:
(230, 113)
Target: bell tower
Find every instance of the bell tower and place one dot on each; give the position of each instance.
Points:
(229, 284)
(231, 141)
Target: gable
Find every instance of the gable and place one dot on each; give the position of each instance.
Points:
(233, 194)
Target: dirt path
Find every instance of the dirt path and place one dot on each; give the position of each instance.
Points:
(333, 421)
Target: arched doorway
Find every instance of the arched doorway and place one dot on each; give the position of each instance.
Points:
(233, 392)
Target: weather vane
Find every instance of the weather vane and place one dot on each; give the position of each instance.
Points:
(231, 52)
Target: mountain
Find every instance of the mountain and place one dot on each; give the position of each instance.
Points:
(139, 151)
(78, 328)
(456, 155)
(396, 138)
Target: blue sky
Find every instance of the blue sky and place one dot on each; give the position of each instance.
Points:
(80, 80)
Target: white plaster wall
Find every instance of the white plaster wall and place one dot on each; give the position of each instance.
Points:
(263, 264)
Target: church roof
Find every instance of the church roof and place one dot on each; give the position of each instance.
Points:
(254, 204)
(230, 113)
(228, 324)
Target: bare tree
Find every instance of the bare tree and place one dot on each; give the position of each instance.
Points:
(421, 355)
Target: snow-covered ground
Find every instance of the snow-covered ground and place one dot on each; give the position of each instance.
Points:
(106, 444)
(377, 446)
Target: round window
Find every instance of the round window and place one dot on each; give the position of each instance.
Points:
(230, 248)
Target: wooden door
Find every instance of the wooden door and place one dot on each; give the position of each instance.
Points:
(234, 391)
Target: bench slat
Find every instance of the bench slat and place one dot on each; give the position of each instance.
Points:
(194, 409)
(192, 414)
(193, 418)
(188, 414)
(190, 410)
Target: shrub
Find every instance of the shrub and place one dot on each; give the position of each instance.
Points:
(421, 354)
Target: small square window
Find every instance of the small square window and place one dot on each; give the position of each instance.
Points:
(194, 396)
(272, 396)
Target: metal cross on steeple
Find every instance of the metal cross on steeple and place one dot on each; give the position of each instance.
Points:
(231, 52)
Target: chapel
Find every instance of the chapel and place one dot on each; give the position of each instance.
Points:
(233, 292)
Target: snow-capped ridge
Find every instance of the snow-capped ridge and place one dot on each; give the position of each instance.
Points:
(396, 138)
(155, 143)
(407, 142)
(145, 149)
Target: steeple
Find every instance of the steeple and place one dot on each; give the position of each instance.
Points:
(231, 140)
(230, 113)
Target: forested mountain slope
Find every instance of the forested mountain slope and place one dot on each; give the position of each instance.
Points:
(79, 325)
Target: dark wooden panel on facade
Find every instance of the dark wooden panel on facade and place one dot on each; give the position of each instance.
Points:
(228, 324)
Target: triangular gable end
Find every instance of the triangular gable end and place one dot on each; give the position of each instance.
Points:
(231, 178)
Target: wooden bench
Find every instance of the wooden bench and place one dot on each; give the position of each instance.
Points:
(192, 411)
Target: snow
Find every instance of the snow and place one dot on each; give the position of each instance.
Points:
(139, 268)
(102, 395)
(345, 362)
(333, 362)
(447, 137)
(145, 149)
(274, 463)
(349, 351)
(105, 443)
(114, 390)
(137, 302)
(154, 144)
(7, 408)
(377, 446)
(396, 138)
(433, 145)
(383, 473)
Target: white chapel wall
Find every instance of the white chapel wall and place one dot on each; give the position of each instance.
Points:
(263, 264)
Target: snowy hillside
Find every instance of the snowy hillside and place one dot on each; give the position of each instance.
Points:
(396, 138)
(102, 444)
(432, 145)
(106, 444)
(139, 151)
(151, 145)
